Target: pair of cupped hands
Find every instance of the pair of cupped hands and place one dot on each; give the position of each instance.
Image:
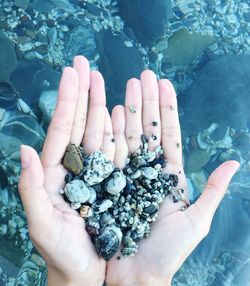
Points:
(81, 117)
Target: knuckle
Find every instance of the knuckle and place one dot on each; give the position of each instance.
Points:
(170, 131)
(64, 125)
(80, 121)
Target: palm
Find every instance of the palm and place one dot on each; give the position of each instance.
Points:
(66, 234)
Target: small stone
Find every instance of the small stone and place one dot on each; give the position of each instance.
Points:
(85, 211)
(149, 173)
(113, 140)
(154, 123)
(175, 200)
(158, 150)
(97, 167)
(135, 175)
(77, 192)
(174, 179)
(72, 160)
(8, 60)
(151, 209)
(161, 160)
(24, 4)
(92, 197)
(154, 137)
(108, 243)
(102, 206)
(116, 183)
(132, 109)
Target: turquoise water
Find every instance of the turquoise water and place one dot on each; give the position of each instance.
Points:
(202, 46)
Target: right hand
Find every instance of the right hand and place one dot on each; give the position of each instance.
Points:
(57, 231)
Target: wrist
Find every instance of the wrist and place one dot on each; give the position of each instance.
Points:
(144, 282)
(55, 278)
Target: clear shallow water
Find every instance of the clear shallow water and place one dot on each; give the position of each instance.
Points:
(202, 46)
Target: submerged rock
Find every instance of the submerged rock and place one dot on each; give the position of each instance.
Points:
(23, 127)
(8, 60)
(8, 95)
(194, 43)
(24, 4)
(37, 77)
(47, 103)
(114, 63)
(148, 19)
(222, 88)
(80, 41)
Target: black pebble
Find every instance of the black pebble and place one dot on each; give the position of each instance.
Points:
(92, 231)
(144, 139)
(128, 188)
(174, 178)
(175, 200)
(68, 178)
(160, 161)
(150, 209)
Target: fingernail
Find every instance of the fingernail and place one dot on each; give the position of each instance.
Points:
(239, 166)
(25, 156)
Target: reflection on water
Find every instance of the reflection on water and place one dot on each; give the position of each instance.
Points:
(202, 46)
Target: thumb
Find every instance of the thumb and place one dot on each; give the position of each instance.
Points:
(215, 190)
(34, 197)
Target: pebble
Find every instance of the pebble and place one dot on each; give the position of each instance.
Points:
(116, 183)
(149, 173)
(132, 109)
(77, 192)
(97, 168)
(24, 4)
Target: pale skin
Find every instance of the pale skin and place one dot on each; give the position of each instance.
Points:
(58, 232)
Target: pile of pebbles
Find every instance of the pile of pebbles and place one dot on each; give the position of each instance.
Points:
(118, 205)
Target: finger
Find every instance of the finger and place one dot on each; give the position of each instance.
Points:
(170, 126)
(150, 109)
(133, 103)
(108, 143)
(59, 131)
(202, 211)
(93, 136)
(34, 197)
(81, 65)
(121, 147)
